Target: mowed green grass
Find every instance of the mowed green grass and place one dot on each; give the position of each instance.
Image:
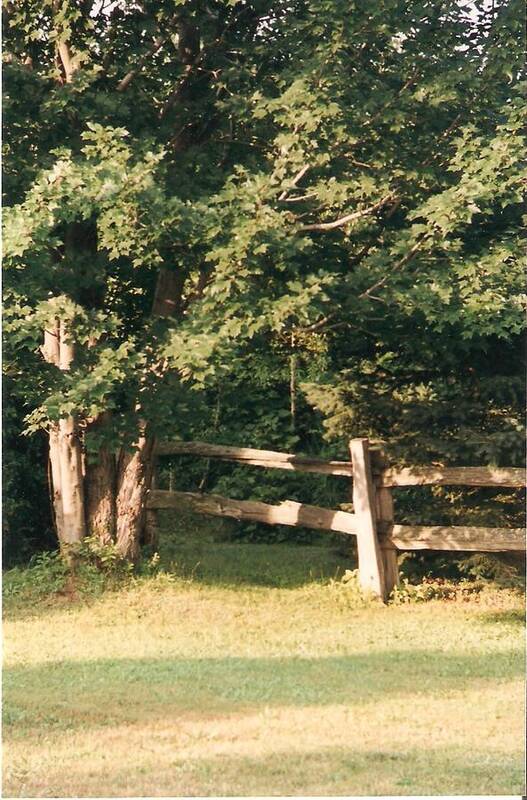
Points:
(218, 682)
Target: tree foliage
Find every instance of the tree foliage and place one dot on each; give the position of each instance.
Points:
(309, 209)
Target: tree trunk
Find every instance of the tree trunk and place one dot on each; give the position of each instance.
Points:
(72, 485)
(135, 469)
(70, 454)
(169, 289)
(65, 450)
(51, 352)
(134, 474)
(56, 484)
(100, 488)
(107, 498)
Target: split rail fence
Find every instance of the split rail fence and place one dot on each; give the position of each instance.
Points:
(378, 537)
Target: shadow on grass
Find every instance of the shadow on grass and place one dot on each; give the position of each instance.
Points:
(114, 691)
(505, 616)
(271, 565)
(325, 771)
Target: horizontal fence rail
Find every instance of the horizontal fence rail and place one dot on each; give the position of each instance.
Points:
(286, 513)
(512, 477)
(478, 540)
(257, 458)
(289, 512)
(379, 538)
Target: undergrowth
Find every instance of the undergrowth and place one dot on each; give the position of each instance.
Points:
(88, 570)
(98, 568)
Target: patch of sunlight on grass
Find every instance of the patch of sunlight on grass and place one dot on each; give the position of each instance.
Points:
(173, 686)
(361, 748)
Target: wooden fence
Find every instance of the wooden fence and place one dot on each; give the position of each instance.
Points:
(378, 537)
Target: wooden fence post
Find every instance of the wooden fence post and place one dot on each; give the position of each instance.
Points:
(388, 550)
(371, 567)
(385, 521)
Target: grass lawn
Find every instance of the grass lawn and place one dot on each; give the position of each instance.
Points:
(253, 672)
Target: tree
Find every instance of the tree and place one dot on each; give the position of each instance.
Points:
(200, 175)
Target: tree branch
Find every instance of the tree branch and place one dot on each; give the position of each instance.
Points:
(300, 174)
(68, 64)
(404, 260)
(338, 223)
(194, 57)
(299, 198)
(123, 84)
(176, 93)
(453, 125)
(63, 52)
(315, 325)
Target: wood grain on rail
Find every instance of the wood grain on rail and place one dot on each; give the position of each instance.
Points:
(288, 512)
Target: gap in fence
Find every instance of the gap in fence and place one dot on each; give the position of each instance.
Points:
(482, 506)
(185, 473)
(210, 550)
(241, 482)
(228, 530)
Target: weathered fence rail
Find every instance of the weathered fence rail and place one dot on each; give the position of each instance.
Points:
(378, 537)
(286, 513)
(454, 476)
(405, 476)
(270, 459)
(456, 537)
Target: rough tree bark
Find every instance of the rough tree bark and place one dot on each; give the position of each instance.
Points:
(100, 489)
(51, 353)
(104, 497)
(65, 451)
(134, 475)
(70, 456)
(134, 469)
